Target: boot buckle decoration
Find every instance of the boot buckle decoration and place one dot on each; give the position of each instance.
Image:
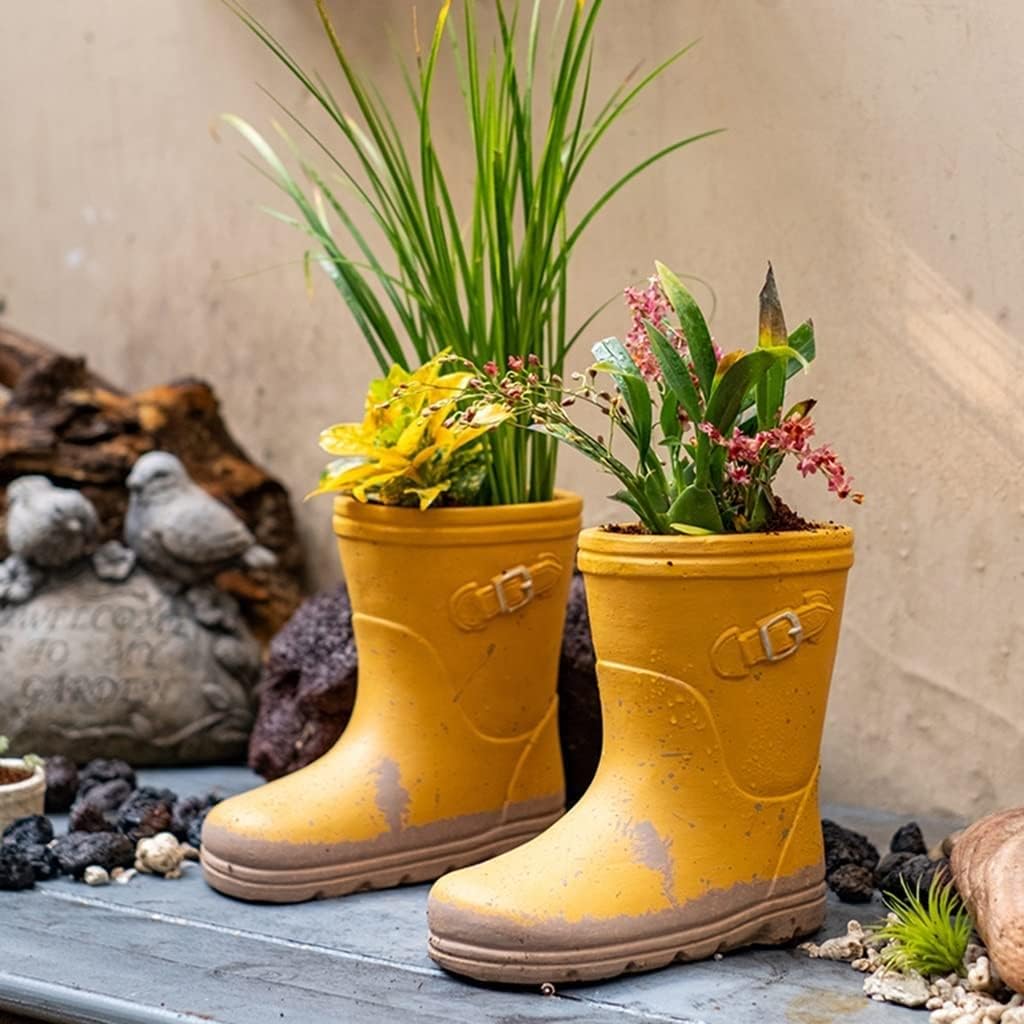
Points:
(521, 573)
(796, 631)
(473, 605)
(737, 651)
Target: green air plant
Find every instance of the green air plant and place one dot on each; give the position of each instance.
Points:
(487, 278)
(708, 432)
(926, 934)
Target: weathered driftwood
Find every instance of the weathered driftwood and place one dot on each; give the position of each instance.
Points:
(64, 421)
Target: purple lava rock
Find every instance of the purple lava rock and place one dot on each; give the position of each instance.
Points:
(146, 812)
(77, 850)
(187, 811)
(307, 686)
(102, 770)
(61, 784)
(96, 808)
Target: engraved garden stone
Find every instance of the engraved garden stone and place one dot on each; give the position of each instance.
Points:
(116, 653)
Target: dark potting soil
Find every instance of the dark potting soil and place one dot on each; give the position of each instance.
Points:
(629, 528)
(781, 519)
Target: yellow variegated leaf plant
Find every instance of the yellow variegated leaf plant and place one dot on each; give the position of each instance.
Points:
(414, 445)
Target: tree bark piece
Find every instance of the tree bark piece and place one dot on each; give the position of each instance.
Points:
(64, 421)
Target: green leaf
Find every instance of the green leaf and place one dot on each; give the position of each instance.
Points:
(654, 488)
(802, 341)
(692, 531)
(641, 411)
(696, 506)
(771, 334)
(668, 419)
(627, 499)
(726, 400)
(615, 359)
(695, 328)
(612, 353)
(674, 372)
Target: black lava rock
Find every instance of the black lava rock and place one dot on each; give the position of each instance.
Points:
(888, 866)
(853, 883)
(77, 850)
(43, 861)
(908, 839)
(194, 836)
(146, 812)
(844, 846)
(908, 872)
(186, 811)
(15, 868)
(96, 808)
(102, 770)
(33, 829)
(579, 707)
(61, 784)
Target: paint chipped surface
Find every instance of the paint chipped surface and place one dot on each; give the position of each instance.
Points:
(392, 797)
(654, 851)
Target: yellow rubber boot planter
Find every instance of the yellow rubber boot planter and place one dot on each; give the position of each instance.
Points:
(452, 752)
(700, 832)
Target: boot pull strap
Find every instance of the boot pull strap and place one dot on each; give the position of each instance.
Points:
(773, 638)
(473, 605)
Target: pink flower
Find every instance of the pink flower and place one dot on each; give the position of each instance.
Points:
(515, 363)
(791, 437)
(650, 304)
(491, 368)
(738, 474)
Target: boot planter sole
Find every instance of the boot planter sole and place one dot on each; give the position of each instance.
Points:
(385, 871)
(772, 922)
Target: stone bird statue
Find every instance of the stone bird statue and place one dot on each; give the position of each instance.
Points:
(180, 531)
(49, 527)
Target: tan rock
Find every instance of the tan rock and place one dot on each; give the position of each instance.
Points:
(161, 854)
(988, 868)
(843, 947)
(893, 987)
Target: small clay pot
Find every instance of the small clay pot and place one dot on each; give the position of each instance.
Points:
(22, 790)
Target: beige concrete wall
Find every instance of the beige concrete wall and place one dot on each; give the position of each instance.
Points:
(874, 152)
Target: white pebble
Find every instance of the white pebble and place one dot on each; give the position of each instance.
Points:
(96, 875)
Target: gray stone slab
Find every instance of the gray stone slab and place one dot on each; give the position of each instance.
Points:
(161, 951)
